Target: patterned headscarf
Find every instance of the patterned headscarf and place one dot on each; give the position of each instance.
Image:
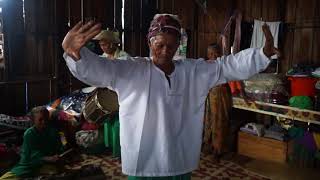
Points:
(164, 23)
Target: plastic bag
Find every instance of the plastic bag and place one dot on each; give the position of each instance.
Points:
(270, 88)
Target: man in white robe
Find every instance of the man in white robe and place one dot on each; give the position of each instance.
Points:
(161, 100)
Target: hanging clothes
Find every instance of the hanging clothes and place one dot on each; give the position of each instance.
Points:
(258, 39)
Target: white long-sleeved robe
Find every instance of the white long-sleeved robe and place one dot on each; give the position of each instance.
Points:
(161, 124)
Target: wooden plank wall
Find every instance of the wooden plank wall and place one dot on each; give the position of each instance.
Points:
(304, 23)
(33, 49)
(300, 43)
(301, 33)
(24, 63)
(211, 24)
(202, 26)
(34, 52)
(138, 14)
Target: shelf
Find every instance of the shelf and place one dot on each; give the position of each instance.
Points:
(278, 110)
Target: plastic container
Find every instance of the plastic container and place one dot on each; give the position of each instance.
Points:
(303, 86)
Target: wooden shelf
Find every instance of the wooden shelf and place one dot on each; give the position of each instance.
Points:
(278, 110)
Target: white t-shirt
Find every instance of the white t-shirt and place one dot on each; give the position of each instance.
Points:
(161, 124)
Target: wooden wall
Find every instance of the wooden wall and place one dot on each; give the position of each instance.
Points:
(203, 25)
(299, 44)
(138, 14)
(30, 54)
(35, 70)
(33, 45)
(301, 21)
(302, 43)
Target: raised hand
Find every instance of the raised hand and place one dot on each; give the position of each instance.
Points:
(78, 36)
(269, 48)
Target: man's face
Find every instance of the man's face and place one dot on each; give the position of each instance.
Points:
(163, 47)
(40, 121)
(107, 46)
(213, 54)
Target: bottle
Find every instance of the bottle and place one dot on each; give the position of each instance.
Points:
(183, 43)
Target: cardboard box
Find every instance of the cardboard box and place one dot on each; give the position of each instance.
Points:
(262, 148)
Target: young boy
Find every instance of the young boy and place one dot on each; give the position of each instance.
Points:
(41, 144)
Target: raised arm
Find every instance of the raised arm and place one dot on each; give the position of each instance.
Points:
(269, 49)
(87, 66)
(241, 65)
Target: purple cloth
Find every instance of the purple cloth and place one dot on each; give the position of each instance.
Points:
(308, 141)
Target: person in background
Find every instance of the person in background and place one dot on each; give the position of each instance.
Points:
(109, 43)
(217, 112)
(213, 52)
(161, 101)
(40, 148)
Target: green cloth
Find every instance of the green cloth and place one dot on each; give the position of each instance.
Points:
(36, 145)
(295, 132)
(302, 102)
(112, 135)
(317, 155)
(178, 177)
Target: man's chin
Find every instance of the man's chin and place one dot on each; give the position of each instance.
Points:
(166, 59)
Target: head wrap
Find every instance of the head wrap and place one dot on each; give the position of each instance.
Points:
(108, 35)
(164, 23)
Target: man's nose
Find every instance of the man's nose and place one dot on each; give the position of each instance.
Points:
(165, 50)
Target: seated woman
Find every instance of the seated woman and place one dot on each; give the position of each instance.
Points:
(40, 148)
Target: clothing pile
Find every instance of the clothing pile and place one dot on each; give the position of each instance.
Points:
(273, 132)
(301, 70)
(91, 141)
(21, 122)
(87, 138)
(73, 103)
(253, 128)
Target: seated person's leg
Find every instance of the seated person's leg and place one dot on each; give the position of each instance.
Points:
(9, 175)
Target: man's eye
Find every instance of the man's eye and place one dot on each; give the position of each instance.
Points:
(159, 46)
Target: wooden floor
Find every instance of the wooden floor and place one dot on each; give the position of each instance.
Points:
(278, 171)
(232, 166)
(274, 170)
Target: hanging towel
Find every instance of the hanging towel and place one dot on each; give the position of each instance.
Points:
(258, 39)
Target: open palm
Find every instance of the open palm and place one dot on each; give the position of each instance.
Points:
(78, 36)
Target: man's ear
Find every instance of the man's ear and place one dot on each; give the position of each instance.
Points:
(149, 43)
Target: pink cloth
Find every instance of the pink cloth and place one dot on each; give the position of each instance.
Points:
(164, 24)
(89, 126)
